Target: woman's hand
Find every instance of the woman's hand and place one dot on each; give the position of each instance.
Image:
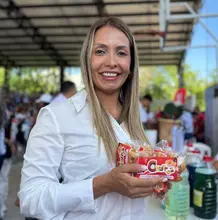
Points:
(120, 180)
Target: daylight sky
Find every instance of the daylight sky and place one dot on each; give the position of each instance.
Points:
(204, 59)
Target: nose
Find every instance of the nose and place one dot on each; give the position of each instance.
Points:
(111, 60)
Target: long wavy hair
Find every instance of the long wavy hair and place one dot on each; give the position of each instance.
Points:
(129, 95)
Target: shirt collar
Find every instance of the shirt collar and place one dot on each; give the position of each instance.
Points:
(79, 100)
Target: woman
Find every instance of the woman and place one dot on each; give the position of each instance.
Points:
(76, 140)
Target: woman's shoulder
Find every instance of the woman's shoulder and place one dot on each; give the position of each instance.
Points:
(71, 107)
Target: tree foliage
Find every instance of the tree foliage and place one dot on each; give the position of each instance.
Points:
(162, 83)
(32, 80)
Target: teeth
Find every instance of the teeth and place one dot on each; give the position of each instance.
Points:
(109, 74)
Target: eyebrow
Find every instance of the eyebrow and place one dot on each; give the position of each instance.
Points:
(118, 47)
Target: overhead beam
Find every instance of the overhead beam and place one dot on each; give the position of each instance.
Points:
(5, 60)
(23, 55)
(80, 42)
(76, 34)
(31, 49)
(141, 58)
(88, 25)
(43, 17)
(14, 13)
(85, 4)
(78, 64)
(73, 49)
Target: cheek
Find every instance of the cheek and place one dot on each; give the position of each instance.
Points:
(96, 62)
(126, 64)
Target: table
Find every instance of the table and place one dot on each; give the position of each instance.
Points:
(155, 212)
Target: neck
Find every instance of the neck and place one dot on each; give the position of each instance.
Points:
(110, 102)
(68, 95)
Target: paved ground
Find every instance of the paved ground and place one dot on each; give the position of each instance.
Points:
(14, 181)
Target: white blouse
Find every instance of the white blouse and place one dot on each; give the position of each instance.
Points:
(64, 144)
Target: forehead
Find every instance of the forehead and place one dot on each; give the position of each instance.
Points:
(110, 35)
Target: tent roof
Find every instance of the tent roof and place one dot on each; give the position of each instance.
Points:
(50, 33)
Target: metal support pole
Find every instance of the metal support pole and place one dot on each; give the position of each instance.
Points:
(181, 75)
(61, 76)
(6, 79)
(193, 14)
(217, 62)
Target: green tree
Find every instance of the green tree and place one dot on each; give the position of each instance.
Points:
(34, 80)
(2, 72)
(162, 83)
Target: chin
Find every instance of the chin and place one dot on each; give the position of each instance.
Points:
(110, 90)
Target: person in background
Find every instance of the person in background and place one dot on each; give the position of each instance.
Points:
(198, 120)
(187, 122)
(76, 140)
(143, 115)
(68, 89)
(2, 130)
(44, 100)
(2, 138)
(146, 102)
(6, 167)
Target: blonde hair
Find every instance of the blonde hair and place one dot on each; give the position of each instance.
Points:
(129, 92)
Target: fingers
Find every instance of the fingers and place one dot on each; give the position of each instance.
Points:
(132, 168)
(146, 182)
(140, 190)
(141, 195)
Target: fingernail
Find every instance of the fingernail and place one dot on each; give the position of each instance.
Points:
(143, 167)
(164, 180)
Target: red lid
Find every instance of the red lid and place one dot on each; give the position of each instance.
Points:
(207, 158)
(196, 152)
(190, 144)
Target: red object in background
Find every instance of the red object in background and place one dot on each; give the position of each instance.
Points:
(199, 126)
(207, 158)
(180, 96)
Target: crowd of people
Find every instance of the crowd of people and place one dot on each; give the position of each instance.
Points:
(18, 115)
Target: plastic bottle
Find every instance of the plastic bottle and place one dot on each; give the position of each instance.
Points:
(178, 199)
(194, 163)
(205, 191)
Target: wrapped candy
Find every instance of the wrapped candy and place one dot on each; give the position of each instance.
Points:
(159, 160)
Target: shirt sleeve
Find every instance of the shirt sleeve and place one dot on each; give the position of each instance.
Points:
(41, 195)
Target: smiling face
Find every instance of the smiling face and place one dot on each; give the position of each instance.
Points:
(110, 60)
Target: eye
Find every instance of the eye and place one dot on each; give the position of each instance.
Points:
(121, 53)
(99, 52)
